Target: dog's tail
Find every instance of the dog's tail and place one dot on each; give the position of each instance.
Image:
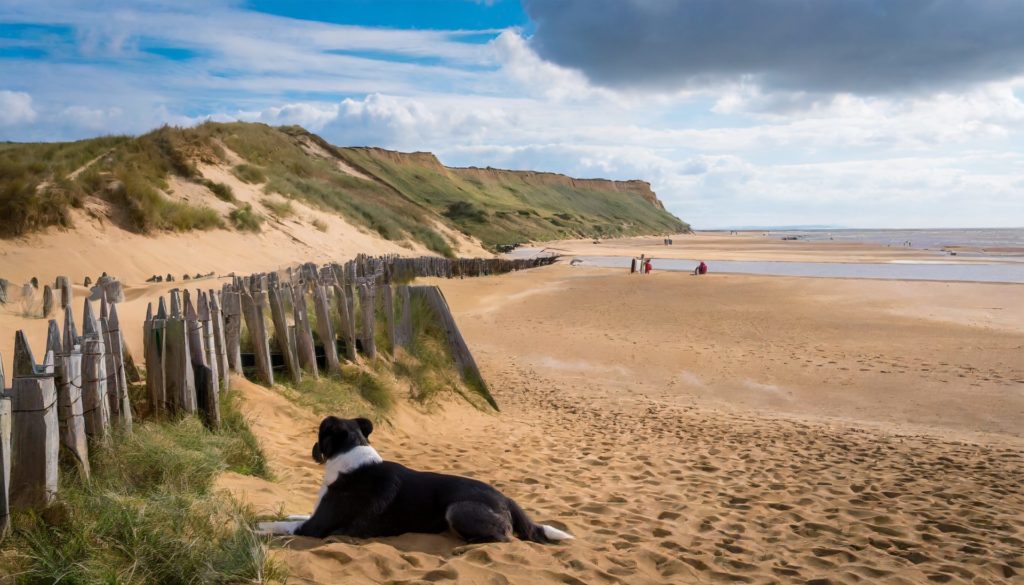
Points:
(526, 529)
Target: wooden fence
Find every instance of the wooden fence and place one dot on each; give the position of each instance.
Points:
(55, 408)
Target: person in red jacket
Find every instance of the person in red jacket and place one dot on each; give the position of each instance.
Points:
(647, 266)
(702, 268)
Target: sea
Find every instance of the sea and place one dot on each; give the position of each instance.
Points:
(1005, 242)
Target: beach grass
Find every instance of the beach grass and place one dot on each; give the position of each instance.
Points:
(149, 513)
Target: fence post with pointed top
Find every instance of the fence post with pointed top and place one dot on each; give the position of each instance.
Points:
(304, 332)
(325, 329)
(34, 434)
(70, 417)
(95, 406)
(283, 334)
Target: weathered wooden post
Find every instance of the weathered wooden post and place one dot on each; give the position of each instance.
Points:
(115, 347)
(404, 335)
(325, 329)
(348, 326)
(5, 455)
(179, 377)
(70, 417)
(304, 332)
(95, 405)
(210, 400)
(389, 316)
(206, 382)
(47, 301)
(217, 318)
(153, 341)
(34, 432)
(232, 327)
(369, 324)
(460, 351)
(252, 308)
(283, 335)
(63, 287)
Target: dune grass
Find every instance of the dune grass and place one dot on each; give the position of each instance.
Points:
(404, 195)
(357, 392)
(149, 513)
(245, 219)
(281, 209)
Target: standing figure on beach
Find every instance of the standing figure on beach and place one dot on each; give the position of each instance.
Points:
(647, 266)
(632, 266)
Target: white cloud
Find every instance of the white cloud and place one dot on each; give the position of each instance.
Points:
(15, 108)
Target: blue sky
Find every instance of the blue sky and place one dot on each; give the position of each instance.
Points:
(860, 113)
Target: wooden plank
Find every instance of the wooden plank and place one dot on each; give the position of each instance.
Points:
(70, 417)
(303, 332)
(47, 301)
(368, 321)
(285, 343)
(95, 404)
(115, 348)
(348, 326)
(34, 430)
(325, 329)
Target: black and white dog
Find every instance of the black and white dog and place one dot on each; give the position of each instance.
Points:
(364, 496)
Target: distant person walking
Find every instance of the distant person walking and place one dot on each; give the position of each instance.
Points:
(632, 266)
(647, 266)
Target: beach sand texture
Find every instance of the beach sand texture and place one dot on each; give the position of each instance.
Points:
(715, 429)
(724, 428)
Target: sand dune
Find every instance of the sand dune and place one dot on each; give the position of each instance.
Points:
(719, 429)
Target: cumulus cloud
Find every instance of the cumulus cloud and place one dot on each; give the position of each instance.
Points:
(15, 108)
(858, 46)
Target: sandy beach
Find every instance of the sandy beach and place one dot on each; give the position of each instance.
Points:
(715, 429)
(724, 428)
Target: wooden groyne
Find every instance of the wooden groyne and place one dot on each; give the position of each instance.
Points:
(54, 407)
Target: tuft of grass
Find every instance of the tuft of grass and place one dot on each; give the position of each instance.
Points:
(281, 209)
(221, 190)
(429, 365)
(320, 225)
(147, 210)
(355, 393)
(433, 240)
(245, 219)
(149, 514)
(249, 173)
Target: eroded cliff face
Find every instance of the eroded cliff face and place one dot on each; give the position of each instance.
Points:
(631, 187)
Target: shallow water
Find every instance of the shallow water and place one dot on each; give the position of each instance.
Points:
(1009, 272)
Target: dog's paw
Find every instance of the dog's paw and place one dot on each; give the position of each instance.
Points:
(281, 528)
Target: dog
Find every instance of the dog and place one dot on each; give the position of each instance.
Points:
(364, 496)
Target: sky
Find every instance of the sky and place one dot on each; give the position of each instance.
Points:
(851, 113)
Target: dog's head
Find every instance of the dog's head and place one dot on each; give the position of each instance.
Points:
(340, 435)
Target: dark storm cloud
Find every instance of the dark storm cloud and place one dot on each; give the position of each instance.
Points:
(861, 46)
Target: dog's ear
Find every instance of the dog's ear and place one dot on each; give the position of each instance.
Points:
(365, 426)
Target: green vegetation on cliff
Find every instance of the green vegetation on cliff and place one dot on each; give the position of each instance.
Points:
(401, 196)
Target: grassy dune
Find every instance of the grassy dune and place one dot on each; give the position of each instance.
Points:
(399, 196)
